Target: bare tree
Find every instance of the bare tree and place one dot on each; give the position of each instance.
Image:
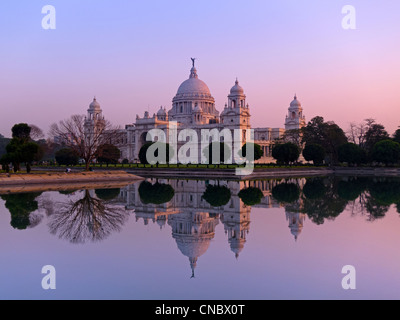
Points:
(293, 136)
(36, 132)
(84, 137)
(87, 219)
(357, 132)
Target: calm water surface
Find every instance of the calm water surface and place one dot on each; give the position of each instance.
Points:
(187, 239)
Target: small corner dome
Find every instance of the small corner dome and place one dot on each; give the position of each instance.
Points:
(295, 102)
(237, 89)
(94, 104)
(161, 112)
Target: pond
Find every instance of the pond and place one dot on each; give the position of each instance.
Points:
(165, 239)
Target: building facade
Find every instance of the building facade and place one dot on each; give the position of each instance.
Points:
(193, 220)
(193, 107)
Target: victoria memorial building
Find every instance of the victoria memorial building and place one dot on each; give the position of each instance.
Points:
(193, 107)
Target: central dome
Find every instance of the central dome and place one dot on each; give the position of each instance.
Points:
(193, 93)
(193, 85)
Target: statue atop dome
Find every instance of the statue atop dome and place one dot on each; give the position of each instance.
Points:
(193, 61)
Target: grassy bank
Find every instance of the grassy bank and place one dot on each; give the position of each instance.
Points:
(174, 166)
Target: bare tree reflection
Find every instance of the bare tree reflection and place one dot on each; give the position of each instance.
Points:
(88, 219)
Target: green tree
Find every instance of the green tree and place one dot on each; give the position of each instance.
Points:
(107, 194)
(21, 132)
(29, 151)
(161, 145)
(374, 134)
(396, 136)
(108, 153)
(157, 193)
(314, 152)
(258, 153)
(286, 193)
(3, 143)
(382, 193)
(285, 153)
(314, 189)
(5, 161)
(21, 149)
(217, 152)
(386, 151)
(67, 157)
(21, 206)
(42, 149)
(352, 154)
(320, 206)
(217, 196)
(327, 134)
(251, 196)
(352, 188)
(385, 191)
(143, 153)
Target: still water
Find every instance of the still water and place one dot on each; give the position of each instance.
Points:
(205, 239)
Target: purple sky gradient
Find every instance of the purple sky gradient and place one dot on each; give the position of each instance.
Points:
(133, 55)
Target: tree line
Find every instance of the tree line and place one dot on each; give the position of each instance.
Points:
(28, 146)
(320, 142)
(324, 142)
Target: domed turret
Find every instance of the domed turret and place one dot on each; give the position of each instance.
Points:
(236, 112)
(237, 89)
(94, 105)
(162, 114)
(94, 119)
(295, 103)
(295, 119)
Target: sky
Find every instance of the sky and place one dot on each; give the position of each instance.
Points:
(133, 55)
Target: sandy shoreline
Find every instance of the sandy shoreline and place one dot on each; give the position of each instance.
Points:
(66, 178)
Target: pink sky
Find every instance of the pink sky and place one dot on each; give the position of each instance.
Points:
(133, 57)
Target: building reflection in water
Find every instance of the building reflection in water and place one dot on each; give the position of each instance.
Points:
(193, 220)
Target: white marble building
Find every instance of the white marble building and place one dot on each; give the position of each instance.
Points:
(193, 220)
(193, 107)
